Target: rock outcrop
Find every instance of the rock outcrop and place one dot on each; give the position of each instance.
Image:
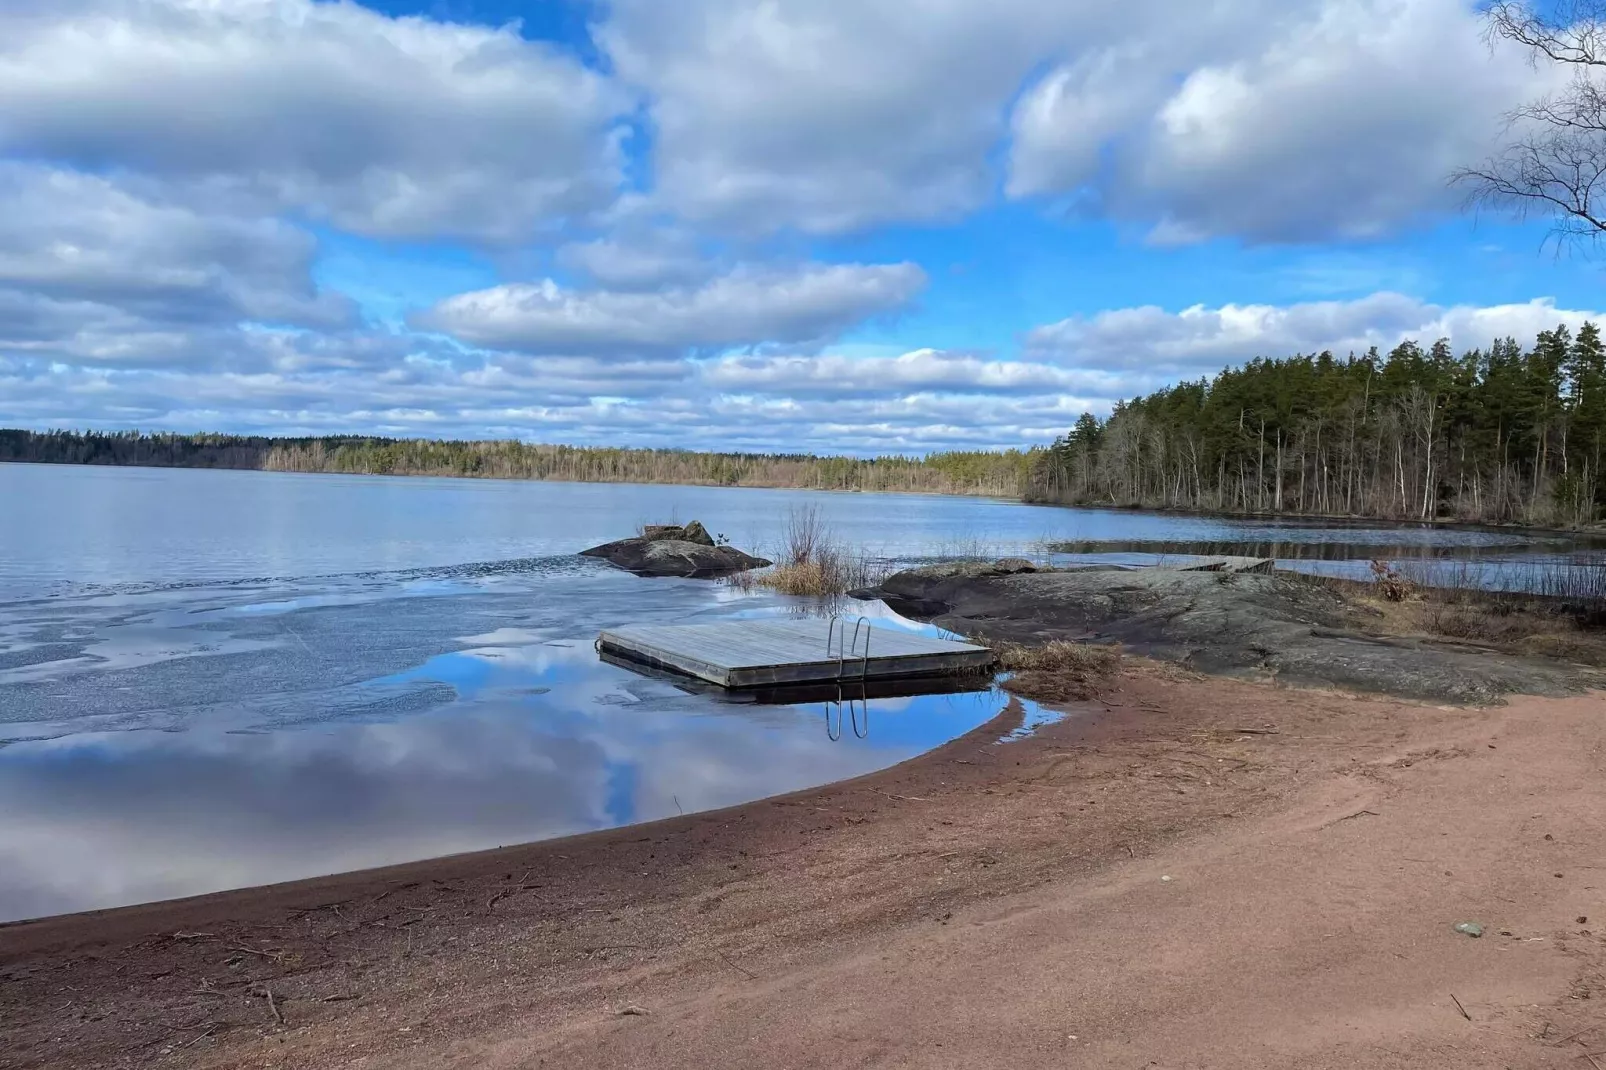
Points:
(1280, 626)
(693, 532)
(673, 550)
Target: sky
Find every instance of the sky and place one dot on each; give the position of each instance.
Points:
(847, 226)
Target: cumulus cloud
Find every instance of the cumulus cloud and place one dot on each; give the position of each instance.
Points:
(77, 238)
(746, 307)
(639, 261)
(1338, 119)
(92, 273)
(298, 382)
(1138, 348)
(826, 115)
(1272, 120)
(921, 371)
(397, 127)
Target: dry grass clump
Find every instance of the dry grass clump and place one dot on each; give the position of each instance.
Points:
(812, 562)
(1558, 616)
(1516, 626)
(1058, 670)
(1390, 582)
(829, 572)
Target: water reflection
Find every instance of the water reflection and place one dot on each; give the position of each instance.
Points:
(504, 744)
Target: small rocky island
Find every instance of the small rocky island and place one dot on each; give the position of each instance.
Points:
(675, 550)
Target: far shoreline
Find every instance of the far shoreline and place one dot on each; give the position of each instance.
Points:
(1596, 531)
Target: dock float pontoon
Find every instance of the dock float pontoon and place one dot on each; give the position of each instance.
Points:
(761, 653)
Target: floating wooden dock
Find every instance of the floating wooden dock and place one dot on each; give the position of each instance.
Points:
(1224, 564)
(766, 653)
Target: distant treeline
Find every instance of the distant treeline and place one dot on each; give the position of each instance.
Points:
(985, 473)
(1497, 435)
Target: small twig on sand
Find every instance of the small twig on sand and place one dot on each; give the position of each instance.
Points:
(196, 1040)
(195, 936)
(1254, 731)
(273, 1005)
(729, 962)
(394, 888)
(1592, 1060)
(275, 955)
(1460, 1008)
(299, 911)
(1361, 813)
(1581, 1032)
(900, 798)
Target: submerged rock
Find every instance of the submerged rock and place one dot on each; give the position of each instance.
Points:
(673, 550)
(1279, 626)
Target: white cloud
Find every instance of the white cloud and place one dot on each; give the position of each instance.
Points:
(75, 238)
(918, 372)
(296, 382)
(1139, 348)
(91, 273)
(383, 126)
(746, 307)
(1271, 120)
(639, 261)
(1339, 119)
(828, 115)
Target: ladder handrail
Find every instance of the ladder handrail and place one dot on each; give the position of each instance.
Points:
(847, 647)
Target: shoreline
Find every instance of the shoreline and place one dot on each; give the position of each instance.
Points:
(980, 496)
(1336, 520)
(1592, 531)
(1145, 820)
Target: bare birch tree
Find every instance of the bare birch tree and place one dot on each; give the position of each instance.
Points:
(1553, 161)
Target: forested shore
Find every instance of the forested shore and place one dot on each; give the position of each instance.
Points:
(1503, 435)
(999, 474)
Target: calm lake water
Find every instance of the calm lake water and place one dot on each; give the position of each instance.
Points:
(220, 679)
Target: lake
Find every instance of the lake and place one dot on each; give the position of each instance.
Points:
(214, 679)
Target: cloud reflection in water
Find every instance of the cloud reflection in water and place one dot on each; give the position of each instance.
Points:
(522, 742)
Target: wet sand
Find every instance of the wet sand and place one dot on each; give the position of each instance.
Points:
(1188, 872)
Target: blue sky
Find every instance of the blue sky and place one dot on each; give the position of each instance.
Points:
(835, 225)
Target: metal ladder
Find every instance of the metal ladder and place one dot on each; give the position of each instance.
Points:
(848, 648)
(843, 646)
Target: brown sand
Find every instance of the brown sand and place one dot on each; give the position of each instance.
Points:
(985, 906)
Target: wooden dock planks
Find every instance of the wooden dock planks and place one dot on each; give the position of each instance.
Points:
(759, 653)
(1224, 564)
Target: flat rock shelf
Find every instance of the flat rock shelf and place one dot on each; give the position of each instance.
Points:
(759, 653)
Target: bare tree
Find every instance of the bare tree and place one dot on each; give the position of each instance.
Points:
(1554, 161)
